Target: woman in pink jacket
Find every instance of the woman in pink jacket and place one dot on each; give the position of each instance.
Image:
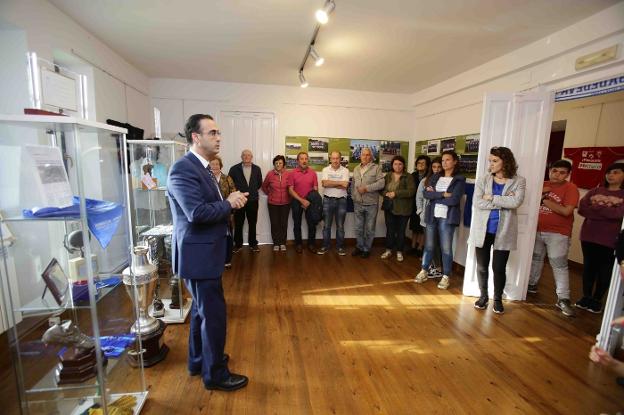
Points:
(276, 188)
(603, 208)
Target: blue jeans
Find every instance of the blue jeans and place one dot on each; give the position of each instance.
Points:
(395, 231)
(365, 220)
(334, 207)
(444, 231)
(297, 213)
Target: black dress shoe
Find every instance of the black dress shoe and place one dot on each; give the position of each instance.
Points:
(365, 254)
(356, 252)
(299, 249)
(230, 384)
(226, 359)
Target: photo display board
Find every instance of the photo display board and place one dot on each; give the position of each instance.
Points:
(319, 148)
(466, 147)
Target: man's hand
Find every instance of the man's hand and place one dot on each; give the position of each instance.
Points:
(305, 203)
(362, 189)
(237, 199)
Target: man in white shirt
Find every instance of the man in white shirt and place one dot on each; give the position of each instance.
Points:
(335, 181)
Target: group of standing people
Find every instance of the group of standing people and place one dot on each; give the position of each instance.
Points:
(204, 200)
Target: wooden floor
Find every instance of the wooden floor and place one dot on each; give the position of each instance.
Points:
(338, 335)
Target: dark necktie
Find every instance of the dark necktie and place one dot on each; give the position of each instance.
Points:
(214, 180)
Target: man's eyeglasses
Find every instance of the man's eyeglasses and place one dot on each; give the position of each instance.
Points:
(211, 133)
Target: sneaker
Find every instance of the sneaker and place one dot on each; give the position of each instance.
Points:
(532, 288)
(565, 307)
(276, 247)
(594, 307)
(400, 256)
(282, 247)
(444, 283)
(498, 307)
(312, 248)
(255, 248)
(421, 277)
(434, 272)
(365, 254)
(342, 252)
(387, 254)
(322, 251)
(481, 303)
(583, 303)
(228, 265)
(356, 252)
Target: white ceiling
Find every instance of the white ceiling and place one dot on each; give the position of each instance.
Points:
(373, 45)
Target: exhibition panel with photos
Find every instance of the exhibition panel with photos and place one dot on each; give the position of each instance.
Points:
(74, 312)
(151, 222)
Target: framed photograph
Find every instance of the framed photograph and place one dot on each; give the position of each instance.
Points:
(433, 148)
(56, 281)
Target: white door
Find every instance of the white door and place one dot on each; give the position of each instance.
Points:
(522, 122)
(254, 131)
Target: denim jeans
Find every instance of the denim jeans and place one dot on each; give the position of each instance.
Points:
(556, 246)
(297, 213)
(334, 207)
(395, 231)
(444, 231)
(365, 221)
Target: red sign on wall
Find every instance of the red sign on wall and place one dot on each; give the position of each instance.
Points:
(589, 164)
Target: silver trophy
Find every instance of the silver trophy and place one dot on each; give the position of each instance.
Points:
(140, 278)
(143, 275)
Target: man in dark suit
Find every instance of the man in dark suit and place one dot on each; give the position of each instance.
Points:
(200, 226)
(247, 178)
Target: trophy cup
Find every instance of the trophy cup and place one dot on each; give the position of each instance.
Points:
(77, 361)
(140, 278)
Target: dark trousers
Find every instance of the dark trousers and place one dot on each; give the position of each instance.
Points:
(395, 231)
(278, 214)
(251, 211)
(207, 329)
(297, 213)
(597, 269)
(499, 264)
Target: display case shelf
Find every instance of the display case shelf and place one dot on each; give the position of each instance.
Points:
(150, 212)
(43, 306)
(41, 159)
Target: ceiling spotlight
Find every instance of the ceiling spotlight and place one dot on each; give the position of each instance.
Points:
(322, 15)
(318, 60)
(302, 80)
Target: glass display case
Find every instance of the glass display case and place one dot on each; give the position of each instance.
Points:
(74, 329)
(151, 221)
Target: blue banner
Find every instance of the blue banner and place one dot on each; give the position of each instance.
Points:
(606, 86)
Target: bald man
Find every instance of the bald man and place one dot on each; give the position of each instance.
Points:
(248, 179)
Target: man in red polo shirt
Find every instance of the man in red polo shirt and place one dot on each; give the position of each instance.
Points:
(301, 181)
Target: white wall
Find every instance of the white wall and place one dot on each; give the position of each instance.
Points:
(308, 112)
(121, 89)
(455, 105)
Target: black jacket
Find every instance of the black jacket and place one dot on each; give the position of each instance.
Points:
(255, 180)
(314, 212)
